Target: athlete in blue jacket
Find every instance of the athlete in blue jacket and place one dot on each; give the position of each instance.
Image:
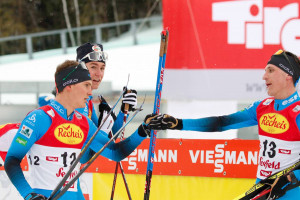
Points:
(95, 59)
(54, 135)
(277, 119)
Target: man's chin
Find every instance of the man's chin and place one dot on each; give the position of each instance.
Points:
(95, 86)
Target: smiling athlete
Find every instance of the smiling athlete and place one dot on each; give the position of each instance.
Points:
(278, 120)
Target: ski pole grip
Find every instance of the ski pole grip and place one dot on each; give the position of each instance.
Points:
(162, 45)
(126, 107)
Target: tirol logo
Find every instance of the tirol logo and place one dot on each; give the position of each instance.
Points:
(256, 25)
(69, 134)
(274, 123)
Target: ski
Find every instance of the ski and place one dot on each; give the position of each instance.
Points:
(260, 191)
(159, 84)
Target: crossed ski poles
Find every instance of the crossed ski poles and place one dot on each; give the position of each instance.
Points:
(126, 108)
(62, 182)
(159, 84)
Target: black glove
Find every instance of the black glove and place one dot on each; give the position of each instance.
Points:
(278, 186)
(35, 196)
(129, 97)
(104, 109)
(144, 129)
(163, 122)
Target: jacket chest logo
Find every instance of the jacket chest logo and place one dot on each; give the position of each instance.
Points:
(274, 123)
(69, 134)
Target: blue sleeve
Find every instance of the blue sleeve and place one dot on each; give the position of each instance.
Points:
(243, 118)
(31, 129)
(94, 117)
(89, 152)
(119, 122)
(114, 151)
(44, 100)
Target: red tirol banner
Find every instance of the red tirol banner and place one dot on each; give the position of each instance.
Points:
(188, 157)
(227, 34)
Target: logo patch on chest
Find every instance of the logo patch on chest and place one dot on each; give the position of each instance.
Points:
(69, 134)
(274, 123)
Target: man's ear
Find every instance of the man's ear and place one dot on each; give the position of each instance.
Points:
(69, 87)
(289, 77)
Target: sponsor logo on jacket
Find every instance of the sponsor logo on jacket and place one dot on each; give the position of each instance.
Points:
(284, 151)
(26, 131)
(52, 159)
(265, 173)
(274, 123)
(69, 134)
(267, 164)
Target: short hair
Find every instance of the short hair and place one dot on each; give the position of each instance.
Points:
(65, 65)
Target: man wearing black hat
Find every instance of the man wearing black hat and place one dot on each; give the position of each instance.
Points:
(53, 136)
(95, 59)
(278, 120)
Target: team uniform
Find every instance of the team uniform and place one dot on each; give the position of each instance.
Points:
(279, 124)
(7, 133)
(110, 125)
(53, 140)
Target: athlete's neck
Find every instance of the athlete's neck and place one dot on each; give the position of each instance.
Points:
(64, 101)
(285, 93)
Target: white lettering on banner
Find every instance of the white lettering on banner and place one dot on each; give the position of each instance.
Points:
(249, 23)
(219, 157)
(141, 155)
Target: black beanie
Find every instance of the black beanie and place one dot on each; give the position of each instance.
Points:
(87, 48)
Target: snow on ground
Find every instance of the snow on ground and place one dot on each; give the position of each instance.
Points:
(140, 61)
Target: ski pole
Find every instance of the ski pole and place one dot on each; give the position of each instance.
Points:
(126, 108)
(157, 101)
(62, 182)
(72, 181)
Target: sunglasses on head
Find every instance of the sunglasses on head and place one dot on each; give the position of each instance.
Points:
(279, 52)
(81, 65)
(96, 56)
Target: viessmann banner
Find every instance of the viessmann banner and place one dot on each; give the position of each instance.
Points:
(222, 37)
(187, 157)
